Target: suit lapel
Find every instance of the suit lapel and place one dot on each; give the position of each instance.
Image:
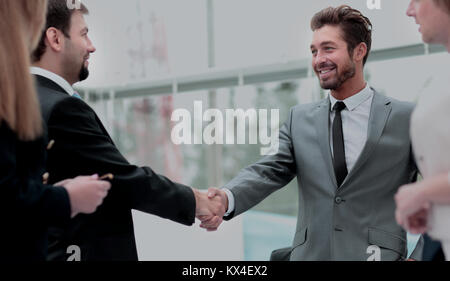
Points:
(47, 83)
(379, 114)
(321, 123)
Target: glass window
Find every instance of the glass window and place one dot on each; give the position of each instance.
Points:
(145, 40)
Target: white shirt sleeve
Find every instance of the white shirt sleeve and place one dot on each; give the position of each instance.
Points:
(230, 201)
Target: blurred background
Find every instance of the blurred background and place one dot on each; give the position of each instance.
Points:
(155, 56)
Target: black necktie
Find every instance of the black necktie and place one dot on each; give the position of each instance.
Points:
(340, 166)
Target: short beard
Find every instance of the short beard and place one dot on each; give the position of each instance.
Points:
(347, 73)
(84, 73)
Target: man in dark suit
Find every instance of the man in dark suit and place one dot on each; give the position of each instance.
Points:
(82, 146)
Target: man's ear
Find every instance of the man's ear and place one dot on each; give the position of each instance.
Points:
(54, 39)
(360, 52)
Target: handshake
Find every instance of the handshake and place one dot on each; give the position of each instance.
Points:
(210, 208)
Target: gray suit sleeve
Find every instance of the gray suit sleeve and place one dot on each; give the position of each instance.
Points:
(257, 181)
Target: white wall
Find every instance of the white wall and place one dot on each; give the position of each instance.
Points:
(159, 239)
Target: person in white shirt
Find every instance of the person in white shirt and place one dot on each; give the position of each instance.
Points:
(425, 206)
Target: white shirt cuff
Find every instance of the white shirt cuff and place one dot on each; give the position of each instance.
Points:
(230, 201)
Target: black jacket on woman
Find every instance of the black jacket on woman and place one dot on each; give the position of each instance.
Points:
(27, 207)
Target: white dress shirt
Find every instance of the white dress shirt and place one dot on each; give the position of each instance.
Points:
(355, 123)
(430, 137)
(54, 77)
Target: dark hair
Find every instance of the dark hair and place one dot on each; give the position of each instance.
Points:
(444, 4)
(58, 16)
(356, 28)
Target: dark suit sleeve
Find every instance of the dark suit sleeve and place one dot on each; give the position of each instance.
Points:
(85, 148)
(24, 197)
(257, 181)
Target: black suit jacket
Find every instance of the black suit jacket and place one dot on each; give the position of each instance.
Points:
(83, 147)
(27, 207)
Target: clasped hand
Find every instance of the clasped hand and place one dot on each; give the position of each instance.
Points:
(210, 208)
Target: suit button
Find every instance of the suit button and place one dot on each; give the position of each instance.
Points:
(338, 200)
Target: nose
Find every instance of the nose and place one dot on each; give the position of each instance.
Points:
(319, 59)
(91, 47)
(410, 12)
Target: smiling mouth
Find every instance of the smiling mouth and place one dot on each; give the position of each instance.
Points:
(326, 73)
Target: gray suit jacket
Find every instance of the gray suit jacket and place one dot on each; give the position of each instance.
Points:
(338, 223)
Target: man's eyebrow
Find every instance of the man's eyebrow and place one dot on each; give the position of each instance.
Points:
(327, 43)
(324, 43)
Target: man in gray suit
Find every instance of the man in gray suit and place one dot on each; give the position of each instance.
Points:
(350, 153)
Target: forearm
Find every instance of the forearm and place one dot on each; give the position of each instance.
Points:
(160, 196)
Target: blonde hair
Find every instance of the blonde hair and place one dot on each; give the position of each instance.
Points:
(21, 23)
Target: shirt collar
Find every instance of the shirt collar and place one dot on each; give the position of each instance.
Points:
(354, 101)
(54, 77)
